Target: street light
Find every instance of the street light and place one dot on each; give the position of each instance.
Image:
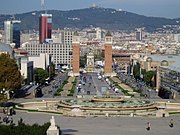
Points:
(60, 82)
(2, 93)
(149, 92)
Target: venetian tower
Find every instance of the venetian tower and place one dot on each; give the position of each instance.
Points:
(75, 54)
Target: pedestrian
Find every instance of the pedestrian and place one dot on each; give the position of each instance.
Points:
(171, 123)
(7, 119)
(148, 126)
(4, 111)
(11, 122)
(20, 121)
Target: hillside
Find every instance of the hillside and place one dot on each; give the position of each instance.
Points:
(98, 17)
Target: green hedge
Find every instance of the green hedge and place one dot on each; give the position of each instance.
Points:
(73, 88)
(58, 92)
(24, 129)
(123, 90)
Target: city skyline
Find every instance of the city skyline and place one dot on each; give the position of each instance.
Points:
(156, 8)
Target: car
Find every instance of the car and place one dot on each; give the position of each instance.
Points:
(99, 77)
(46, 83)
(80, 82)
(62, 71)
(116, 90)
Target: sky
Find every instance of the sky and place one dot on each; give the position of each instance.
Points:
(156, 8)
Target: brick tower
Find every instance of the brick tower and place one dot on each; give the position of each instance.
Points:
(108, 54)
(75, 54)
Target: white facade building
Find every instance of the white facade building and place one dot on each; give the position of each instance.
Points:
(27, 70)
(99, 34)
(177, 38)
(8, 28)
(41, 61)
(59, 52)
(56, 37)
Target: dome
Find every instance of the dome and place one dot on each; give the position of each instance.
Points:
(164, 63)
(149, 59)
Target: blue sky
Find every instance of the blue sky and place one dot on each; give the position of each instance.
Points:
(160, 8)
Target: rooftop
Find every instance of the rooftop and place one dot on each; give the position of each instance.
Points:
(5, 48)
(176, 59)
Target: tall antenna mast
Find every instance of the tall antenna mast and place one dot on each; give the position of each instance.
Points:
(42, 4)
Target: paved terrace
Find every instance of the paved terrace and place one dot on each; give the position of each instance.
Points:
(105, 126)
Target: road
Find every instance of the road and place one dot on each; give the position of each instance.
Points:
(91, 83)
(48, 91)
(138, 85)
(103, 125)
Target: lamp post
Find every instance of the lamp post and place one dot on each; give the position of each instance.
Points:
(60, 82)
(2, 92)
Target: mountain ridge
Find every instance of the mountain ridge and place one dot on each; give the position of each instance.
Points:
(107, 18)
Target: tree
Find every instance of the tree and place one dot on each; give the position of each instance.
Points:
(150, 78)
(136, 71)
(40, 75)
(99, 56)
(10, 76)
(83, 60)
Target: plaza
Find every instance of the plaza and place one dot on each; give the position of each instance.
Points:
(104, 125)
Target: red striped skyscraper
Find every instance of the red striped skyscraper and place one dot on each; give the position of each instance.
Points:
(45, 27)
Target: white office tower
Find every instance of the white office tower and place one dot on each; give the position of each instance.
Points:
(8, 29)
(66, 37)
(177, 38)
(98, 33)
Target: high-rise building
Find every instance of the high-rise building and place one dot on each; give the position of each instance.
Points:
(45, 27)
(8, 28)
(67, 37)
(16, 33)
(139, 35)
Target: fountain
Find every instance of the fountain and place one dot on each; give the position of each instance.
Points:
(114, 106)
(95, 106)
(100, 106)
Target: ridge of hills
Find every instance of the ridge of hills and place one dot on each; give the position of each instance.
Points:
(106, 18)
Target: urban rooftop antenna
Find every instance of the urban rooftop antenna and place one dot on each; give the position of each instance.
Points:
(42, 3)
